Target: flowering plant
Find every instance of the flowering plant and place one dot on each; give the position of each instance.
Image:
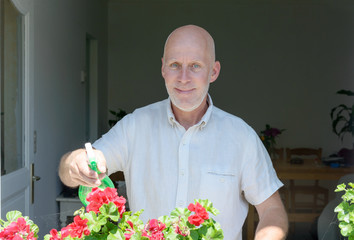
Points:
(17, 227)
(269, 135)
(107, 218)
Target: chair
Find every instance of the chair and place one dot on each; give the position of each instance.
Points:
(313, 190)
(278, 154)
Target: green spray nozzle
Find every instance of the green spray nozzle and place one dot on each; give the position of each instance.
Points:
(91, 158)
(92, 162)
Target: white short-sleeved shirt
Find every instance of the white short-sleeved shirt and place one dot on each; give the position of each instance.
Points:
(221, 159)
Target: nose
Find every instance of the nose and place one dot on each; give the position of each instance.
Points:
(184, 76)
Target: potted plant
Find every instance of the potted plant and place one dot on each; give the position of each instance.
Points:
(268, 137)
(342, 117)
(105, 218)
(117, 116)
(345, 210)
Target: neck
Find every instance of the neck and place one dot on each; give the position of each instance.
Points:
(189, 119)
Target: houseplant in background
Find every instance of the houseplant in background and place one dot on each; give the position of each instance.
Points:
(342, 117)
(105, 218)
(268, 137)
(117, 116)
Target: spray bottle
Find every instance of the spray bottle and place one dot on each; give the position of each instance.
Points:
(92, 162)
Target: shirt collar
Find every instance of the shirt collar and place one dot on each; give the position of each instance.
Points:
(202, 123)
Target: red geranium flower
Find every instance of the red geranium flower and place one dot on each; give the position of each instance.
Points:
(200, 214)
(54, 235)
(76, 229)
(97, 198)
(182, 231)
(18, 230)
(153, 230)
(129, 231)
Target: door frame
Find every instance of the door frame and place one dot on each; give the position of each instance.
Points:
(22, 178)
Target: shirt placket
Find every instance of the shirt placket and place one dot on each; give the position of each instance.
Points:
(183, 159)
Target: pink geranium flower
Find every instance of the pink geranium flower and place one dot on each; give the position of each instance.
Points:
(54, 235)
(17, 230)
(129, 231)
(200, 214)
(97, 198)
(153, 230)
(76, 229)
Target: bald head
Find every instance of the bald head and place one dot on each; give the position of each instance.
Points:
(191, 34)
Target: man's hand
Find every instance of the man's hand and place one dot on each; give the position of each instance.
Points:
(273, 220)
(74, 169)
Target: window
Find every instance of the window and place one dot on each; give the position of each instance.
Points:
(11, 74)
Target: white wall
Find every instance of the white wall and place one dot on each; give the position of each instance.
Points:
(282, 61)
(60, 35)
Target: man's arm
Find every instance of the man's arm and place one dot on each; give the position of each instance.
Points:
(273, 220)
(74, 169)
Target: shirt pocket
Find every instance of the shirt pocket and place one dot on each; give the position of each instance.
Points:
(220, 187)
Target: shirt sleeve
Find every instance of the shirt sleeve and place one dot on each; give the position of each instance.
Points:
(259, 179)
(114, 145)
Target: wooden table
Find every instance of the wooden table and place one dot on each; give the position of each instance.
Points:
(309, 171)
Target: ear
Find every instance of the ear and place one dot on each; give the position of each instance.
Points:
(215, 71)
(162, 67)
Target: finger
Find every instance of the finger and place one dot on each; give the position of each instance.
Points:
(87, 184)
(90, 177)
(85, 179)
(84, 172)
(101, 161)
(102, 176)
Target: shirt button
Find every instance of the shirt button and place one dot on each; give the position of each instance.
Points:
(180, 203)
(181, 172)
(222, 180)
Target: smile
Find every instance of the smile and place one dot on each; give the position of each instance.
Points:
(184, 91)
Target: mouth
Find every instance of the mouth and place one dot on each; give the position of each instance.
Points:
(184, 91)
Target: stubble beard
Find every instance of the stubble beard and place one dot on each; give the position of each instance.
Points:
(178, 104)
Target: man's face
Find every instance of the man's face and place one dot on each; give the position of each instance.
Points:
(187, 68)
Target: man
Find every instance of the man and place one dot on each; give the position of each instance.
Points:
(183, 148)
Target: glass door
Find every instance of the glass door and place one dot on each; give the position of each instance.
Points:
(15, 170)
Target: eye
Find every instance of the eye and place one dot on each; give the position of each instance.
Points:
(174, 65)
(195, 66)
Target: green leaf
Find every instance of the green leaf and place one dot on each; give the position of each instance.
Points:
(110, 211)
(208, 205)
(95, 223)
(215, 234)
(340, 188)
(12, 216)
(349, 195)
(118, 235)
(346, 228)
(166, 220)
(91, 237)
(194, 234)
(180, 212)
(137, 236)
(80, 212)
(346, 92)
(171, 235)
